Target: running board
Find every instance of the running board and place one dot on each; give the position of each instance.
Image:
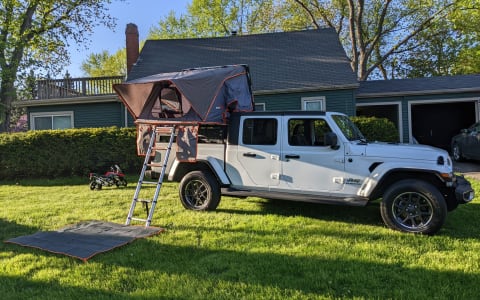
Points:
(300, 197)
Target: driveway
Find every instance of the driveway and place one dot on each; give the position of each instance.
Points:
(469, 169)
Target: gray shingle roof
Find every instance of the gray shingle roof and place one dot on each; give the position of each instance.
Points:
(282, 61)
(420, 86)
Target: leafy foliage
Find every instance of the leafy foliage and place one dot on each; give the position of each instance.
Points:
(377, 129)
(53, 153)
(104, 64)
(35, 34)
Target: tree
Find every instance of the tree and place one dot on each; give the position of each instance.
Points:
(435, 53)
(212, 18)
(466, 20)
(376, 33)
(36, 33)
(105, 64)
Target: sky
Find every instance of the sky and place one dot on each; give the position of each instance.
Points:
(143, 13)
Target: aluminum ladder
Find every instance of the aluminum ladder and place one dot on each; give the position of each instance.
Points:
(156, 130)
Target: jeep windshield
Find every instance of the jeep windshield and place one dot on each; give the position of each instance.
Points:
(348, 128)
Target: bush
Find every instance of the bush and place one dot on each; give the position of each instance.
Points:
(377, 129)
(53, 153)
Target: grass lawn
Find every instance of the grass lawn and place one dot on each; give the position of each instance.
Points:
(248, 249)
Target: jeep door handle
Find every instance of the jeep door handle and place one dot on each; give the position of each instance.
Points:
(292, 156)
(249, 154)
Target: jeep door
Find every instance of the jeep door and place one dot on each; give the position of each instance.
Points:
(308, 164)
(256, 160)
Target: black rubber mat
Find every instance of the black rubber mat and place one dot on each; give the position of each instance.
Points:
(85, 239)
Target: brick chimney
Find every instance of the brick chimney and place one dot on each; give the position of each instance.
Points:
(132, 45)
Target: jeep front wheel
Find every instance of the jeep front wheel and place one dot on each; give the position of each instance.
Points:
(413, 206)
(199, 190)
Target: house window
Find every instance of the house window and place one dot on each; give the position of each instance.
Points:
(259, 106)
(313, 103)
(51, 120)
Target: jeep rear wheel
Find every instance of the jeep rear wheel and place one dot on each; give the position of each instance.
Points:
(199, 190)
(413, 206)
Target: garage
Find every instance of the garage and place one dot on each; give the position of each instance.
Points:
(428, 110)
(436, 123)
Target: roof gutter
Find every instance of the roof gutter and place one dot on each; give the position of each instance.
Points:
(307, 89)
(417, 93)
(68, 101)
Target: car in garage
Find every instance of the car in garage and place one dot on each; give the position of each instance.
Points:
(466, 144)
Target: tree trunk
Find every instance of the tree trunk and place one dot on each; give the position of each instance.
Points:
(7, 94)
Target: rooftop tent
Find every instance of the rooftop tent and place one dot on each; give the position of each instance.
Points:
(201, 94)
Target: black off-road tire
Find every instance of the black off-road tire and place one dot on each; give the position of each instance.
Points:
(199, 190)
(413, 206)
(121, 182)
(93, 185)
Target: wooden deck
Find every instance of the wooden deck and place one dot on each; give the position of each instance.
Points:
(76, 87)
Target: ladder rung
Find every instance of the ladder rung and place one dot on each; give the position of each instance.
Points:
(144, 200)
(159, 148)
(139, 219)
(164, 130)
(149, 182)
(155, 164)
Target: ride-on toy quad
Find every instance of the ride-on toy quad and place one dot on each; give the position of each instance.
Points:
(112, 177)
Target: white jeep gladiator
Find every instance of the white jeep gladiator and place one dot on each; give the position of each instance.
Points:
(319, 157)
(306, 156)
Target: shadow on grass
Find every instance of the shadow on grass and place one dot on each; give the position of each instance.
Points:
(11, 229)
(220, 273)
(62, 181)
(368, 215)
(74, 180)
(18, 287)
(460, 223)
(320, 275)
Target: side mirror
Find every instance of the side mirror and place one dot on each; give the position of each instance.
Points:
(331, 140)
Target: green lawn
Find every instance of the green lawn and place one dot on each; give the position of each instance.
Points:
(248, 249)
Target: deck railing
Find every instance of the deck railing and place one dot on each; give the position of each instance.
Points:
(76, 87)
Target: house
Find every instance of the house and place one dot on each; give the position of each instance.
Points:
(290, 70)
(76, 103)
(299, 70)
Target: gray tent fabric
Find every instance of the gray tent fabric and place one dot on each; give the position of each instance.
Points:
(202, 94)
(85, 239)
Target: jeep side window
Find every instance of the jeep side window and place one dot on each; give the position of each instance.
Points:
(259, 131)
(307, 132)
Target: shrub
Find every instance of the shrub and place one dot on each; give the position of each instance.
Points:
(53, 153)
(377, 129)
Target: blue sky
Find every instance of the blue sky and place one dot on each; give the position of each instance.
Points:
(143, 13)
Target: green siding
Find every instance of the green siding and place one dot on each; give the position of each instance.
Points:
(338, 100)
(89, 115)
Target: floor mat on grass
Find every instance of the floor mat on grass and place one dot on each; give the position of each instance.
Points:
(85, 239)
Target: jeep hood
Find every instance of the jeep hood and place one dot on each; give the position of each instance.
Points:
(405, 151)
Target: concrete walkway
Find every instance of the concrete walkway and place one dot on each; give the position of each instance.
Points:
(468, 169)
